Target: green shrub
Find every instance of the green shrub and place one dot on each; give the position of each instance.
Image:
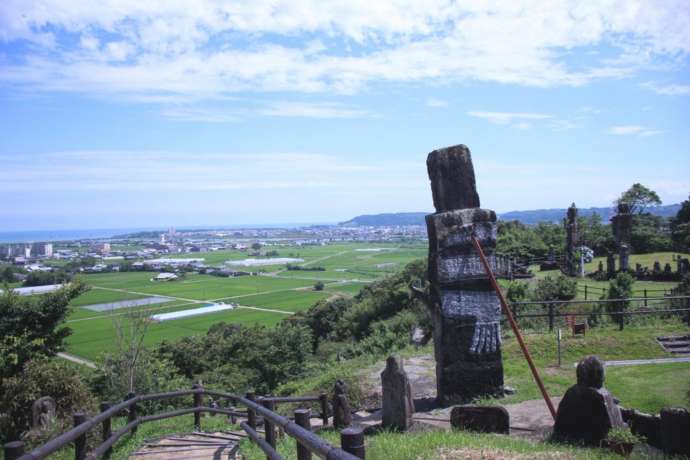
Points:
(42, 377)
(555, 288)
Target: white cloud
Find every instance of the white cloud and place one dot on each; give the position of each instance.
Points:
(504, 118)
(184, 171)
(208, 48)
(201, 115)
(667, 90)
(313, 110)
(632, 130)
(436, 103)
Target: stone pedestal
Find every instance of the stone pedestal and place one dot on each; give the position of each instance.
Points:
(465, 310)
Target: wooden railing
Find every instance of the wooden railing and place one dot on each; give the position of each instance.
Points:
(645, 306)
(257, 409)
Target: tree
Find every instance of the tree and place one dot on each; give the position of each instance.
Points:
(130, 332)
(639, 197)
(30, 326)
(256, 246)
(7, 274)
(680, 227)
(318, 286)
(620, 288)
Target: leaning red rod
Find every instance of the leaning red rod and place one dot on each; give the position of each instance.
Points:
(513, 325)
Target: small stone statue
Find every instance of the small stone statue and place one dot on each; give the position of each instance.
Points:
(587, 411)
(342, 414)
(43, 413)
(398, 405)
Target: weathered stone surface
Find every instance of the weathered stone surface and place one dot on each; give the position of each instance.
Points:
(675, 430)
(485, 419)
(590, 372)
(621, 225)
(610, 266)
(587, 411)
(571, 240)
(342, 413)
(43, 413)
(465, 311)
(398, 405)
(452, 178)
(644, 425)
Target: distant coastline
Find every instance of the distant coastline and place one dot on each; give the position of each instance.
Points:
(31, 236)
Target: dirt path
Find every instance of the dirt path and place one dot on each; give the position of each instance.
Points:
(528, 419)
(77, 359)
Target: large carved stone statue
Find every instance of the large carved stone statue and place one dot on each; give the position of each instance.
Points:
(465, 310)
(622, 231)
(571, 239)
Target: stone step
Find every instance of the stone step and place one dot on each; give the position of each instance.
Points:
(680, 351)
(679, 344)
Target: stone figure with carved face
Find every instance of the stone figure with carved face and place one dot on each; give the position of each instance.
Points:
(466, 312)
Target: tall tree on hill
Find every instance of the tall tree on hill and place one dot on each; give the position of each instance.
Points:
(680, 227)
(639, 197)
(30, 326)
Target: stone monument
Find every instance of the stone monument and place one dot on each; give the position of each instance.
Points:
(342, 414)
(621, 224)
(43, 414)
(587, 411)
(465, 310)
(610, 266)
(398, 405)
(571, 239)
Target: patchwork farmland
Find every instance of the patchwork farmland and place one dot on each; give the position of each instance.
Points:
(264, 299)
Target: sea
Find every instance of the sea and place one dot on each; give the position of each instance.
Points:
(30, 236)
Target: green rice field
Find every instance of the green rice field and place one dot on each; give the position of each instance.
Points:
(263, 299)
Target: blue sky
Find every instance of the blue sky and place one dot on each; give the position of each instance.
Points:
(125, 113)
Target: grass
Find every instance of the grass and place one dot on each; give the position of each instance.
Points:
(287, 291)
(645, 387)
(441, 445)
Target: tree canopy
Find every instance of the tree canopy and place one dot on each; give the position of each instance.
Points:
(639, 198)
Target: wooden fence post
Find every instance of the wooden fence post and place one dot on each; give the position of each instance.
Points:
(269, 426)
(107, 428)
(13, 450)
(132, 411)
(251, 415)
(198, 402)
(645, 297)
(80, 443)
(551, 317)
(302, 419)
(352, 441)
(323, 399)
(585, 292)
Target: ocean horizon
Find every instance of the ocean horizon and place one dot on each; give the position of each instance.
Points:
(31, 236)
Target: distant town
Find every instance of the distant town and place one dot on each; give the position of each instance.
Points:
(165, 251)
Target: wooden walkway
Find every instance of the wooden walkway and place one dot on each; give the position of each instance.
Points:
(196, 446)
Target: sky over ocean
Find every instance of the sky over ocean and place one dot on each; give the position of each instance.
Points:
(123, 114)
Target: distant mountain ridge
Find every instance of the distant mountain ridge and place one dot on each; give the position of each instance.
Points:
(530, 217)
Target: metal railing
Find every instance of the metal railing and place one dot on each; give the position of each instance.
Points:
(257, 410)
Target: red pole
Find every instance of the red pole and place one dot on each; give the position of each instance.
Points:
(513, 325)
